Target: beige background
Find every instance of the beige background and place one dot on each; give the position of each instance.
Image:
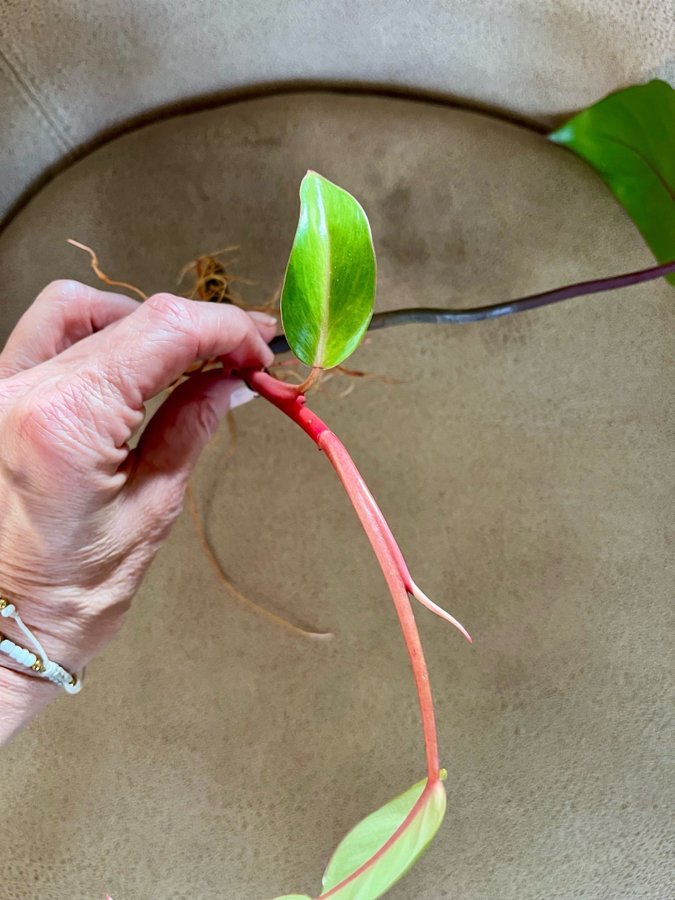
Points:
(70, 71)
(524, 464)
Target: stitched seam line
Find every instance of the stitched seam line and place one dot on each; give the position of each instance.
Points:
(31, 94)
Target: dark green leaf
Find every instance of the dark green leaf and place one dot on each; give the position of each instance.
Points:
(629, 137)
(329, 289)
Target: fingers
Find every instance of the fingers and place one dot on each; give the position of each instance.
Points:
(169, 448)
(82, 406)
(64, 312)
(145, 353)
(187, 420)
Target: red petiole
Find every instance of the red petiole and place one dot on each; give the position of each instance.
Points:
(292, 402)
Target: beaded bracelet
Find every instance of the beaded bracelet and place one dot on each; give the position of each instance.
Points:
(38, 663)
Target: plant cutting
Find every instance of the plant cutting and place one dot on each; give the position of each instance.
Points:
(327, 304)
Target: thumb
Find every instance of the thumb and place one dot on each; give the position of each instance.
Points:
(185, 423)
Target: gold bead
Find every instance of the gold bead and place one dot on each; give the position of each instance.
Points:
(3, 602)
(38, 665)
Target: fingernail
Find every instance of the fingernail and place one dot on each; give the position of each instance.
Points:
(267, 356)
(263, 318)
(241, 395)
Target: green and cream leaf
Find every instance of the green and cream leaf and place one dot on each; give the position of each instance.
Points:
(329, 289)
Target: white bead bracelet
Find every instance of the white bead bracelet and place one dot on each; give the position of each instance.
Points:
(38, 663)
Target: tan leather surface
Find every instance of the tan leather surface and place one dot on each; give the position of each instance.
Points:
(70, 71)
(525, 465)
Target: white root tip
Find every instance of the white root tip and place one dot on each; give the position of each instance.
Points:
(425, 601)
(320, 635)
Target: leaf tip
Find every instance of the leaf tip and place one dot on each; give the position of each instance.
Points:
(313, 175)
(561, 135)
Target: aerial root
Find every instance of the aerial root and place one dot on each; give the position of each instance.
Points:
(234, 590)
(101, 274)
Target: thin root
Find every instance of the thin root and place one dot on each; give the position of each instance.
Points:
(213, 281)
(287, 370)
(234, 590)
(101, 274)
(347, 391)
(357, 373)
(188, 267)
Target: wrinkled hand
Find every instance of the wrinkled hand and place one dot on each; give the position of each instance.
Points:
(82, 515)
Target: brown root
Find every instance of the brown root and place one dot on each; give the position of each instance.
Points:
(288, 370)
(357, 373)
(194, 264)
(100, 274)
(234, 590)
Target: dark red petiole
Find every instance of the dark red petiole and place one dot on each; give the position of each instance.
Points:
(289, 400)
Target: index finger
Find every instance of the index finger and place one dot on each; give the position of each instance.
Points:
(145, 352)
(64, 313)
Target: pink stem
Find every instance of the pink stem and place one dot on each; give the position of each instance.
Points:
(371, 519)
(286, 398)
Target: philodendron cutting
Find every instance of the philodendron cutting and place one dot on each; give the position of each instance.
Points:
(326, 306)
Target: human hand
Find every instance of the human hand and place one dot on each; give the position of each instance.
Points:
(82, 514)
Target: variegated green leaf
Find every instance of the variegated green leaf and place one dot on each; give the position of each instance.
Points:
(378, 851)
(381, 848)
(329, 289)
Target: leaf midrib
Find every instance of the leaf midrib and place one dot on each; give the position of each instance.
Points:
(325, 297)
